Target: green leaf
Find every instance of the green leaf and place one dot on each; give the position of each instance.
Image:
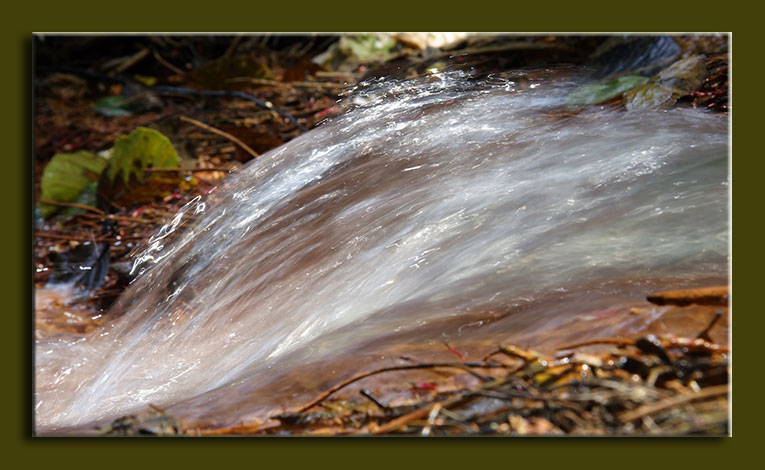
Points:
(112, 106)
(368, 47)
(143, 148)
(66, 175)
(601, 91)
(87, 197)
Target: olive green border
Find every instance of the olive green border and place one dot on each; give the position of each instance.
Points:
(353, 16)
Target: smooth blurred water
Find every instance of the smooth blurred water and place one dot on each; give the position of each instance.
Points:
(428, 198)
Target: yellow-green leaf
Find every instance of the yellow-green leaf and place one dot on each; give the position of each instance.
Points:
(141, 149)
(66, 175)
(144, 80)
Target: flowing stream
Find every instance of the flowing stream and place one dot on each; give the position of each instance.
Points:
(429, 199)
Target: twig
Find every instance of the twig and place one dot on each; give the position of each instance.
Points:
(237, 429)
(131, 61)
(402, 420)
(71, 204)
(364, 375)
(366, 393)
(64, 237)
(705, 332)
(322, 73)
(232, 47)
(263, 81)
(431, 419)
(697, 344)
(672, 402)
(189, 170)
(118, 218)
(616, 341)
(527, 356)
(416, 414)
(156, 408)
(717, 295)
(234, 94)
(454, 351)
(481, 377)
(221, 133)
(86, 239)
(167, 64)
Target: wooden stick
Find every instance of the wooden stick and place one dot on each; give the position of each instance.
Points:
(416, 414)
(242, 428)
(71, 204)
(221, 133)
(86, 239)
(672, 402)
(167, 64)
(263, 81)
(345, 383)
(233, 94)
(322, 73)
(402, 420)
(616, 341)
(190, 170)
(118, 218)
(131, 61)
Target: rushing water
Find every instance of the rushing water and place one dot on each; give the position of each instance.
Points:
(427, 199)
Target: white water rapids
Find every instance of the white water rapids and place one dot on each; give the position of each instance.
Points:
(428, 199)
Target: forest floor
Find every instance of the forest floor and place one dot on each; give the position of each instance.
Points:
(222, 101)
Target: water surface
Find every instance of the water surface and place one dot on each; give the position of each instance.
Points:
(429, 200)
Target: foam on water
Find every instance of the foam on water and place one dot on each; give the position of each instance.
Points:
(428, 198)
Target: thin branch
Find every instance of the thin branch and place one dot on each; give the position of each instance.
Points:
(167, 64)
(672, 402)
(236, 429)
(705, 332)
(71, 204)
(131, 61)
(64, 237)
(189, 170)
(616, 341)
(356, 378)
(221, 133)
(276, 83)
(366, 393)
(351, 75)
(234, 94)
(86, 239)
(232, 47)
(419, 413)
(118, 218)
